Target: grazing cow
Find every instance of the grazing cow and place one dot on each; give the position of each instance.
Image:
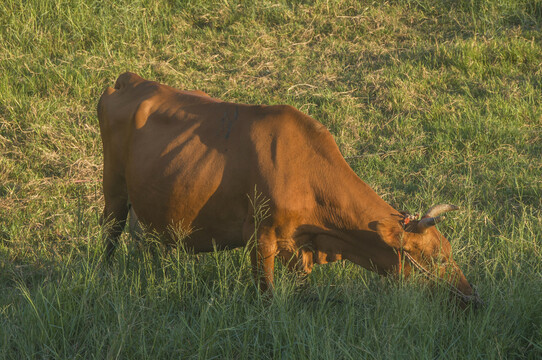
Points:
(182, 157)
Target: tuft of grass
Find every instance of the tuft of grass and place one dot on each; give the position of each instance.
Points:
(430, 102)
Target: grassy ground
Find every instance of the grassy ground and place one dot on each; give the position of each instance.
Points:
(431, 101)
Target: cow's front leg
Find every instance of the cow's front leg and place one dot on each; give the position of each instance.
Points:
(263, 249)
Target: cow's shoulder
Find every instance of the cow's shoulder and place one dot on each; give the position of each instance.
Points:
(197, 93)
(288, 118)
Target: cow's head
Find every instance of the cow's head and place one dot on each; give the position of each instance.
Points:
(421, 247)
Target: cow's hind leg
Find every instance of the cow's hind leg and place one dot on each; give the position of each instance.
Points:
(114, 220)
(133, 225)
(116, 205)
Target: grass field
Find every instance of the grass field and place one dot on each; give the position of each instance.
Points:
(430, 101)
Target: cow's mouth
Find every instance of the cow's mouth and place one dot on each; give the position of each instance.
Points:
(473, 299)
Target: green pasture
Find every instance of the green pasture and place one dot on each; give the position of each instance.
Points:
(430, 102)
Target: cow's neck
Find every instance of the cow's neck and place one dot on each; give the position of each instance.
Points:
(349, 213)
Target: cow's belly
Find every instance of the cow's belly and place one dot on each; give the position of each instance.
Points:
(189, 192)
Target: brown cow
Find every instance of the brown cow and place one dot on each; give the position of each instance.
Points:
(182, 157)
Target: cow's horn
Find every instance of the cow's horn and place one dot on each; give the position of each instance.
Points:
(427, 222)
(439, 209)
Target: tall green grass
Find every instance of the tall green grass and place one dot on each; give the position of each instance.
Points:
(430, 102)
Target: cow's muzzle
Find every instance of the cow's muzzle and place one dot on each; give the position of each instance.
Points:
(473, 300)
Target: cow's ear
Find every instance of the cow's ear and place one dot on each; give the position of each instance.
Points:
(391, 232)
